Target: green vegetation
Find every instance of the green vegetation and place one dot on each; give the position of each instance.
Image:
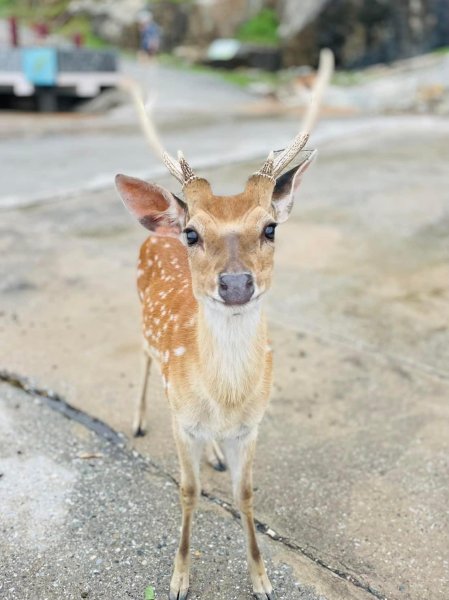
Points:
(173, 1)
(32, 11)
(6, 8)
(149, 593)
(348, 78)
(54, 14)
(241, 77)
(261, 29)
(442, 50)
(81, 24)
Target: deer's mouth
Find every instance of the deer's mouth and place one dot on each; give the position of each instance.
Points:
(238, 308)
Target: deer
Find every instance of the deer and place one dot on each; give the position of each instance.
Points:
(202, 277)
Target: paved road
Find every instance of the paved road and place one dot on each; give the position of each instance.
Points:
(352, 466)
(211, 121)
(83, 517)
(50, 155)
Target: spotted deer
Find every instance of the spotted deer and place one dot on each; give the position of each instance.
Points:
(202, 276)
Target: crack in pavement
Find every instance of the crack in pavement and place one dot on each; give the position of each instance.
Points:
(56, 402)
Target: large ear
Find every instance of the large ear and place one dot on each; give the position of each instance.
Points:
(287, 186)
(156, 208)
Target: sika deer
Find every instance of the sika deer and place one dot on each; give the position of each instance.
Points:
(202, 276)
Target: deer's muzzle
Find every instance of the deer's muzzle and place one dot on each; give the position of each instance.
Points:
(236, 288)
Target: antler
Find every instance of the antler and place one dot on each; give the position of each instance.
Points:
(178, 168)
(273, 167)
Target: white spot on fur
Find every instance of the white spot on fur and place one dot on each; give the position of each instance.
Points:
(179, 351)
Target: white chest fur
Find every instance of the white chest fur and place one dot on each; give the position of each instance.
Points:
(231, 342)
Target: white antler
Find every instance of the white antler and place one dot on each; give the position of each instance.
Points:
(273, 168)
(178, 168)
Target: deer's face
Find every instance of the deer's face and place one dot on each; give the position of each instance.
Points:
(230, 244)
(230, 240)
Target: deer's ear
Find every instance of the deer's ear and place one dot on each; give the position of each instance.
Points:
(156, 208)
(287, 186)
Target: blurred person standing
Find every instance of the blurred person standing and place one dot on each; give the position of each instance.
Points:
(150, 35)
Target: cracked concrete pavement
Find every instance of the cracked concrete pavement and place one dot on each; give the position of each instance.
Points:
(352, 465)
(86, 518)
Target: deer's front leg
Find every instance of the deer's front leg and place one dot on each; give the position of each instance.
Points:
(240, 454)
(189, 454)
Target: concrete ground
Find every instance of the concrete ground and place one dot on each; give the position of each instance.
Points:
(85, 517)
(352, 466)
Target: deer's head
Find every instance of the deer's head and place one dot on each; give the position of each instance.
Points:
(230, 239)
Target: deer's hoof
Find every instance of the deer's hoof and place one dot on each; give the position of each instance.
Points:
(262, 584)
(139, 429)
(215, 457)
(179, 586)
(217, 465)
(181, 595)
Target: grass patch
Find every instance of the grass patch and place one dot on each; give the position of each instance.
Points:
(173, 1)
(54, 15)
(442, 50)
(240, 77)
(81, 24)
(261, 29)
(30, 12)
(348, 78)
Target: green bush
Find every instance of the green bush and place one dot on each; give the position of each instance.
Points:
(261, 29)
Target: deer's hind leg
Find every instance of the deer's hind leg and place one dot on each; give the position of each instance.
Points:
(215, 456)
(139, 425)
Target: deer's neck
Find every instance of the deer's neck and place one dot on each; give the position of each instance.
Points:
(232, 349)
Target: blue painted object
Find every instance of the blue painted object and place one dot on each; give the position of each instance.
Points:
(40, 65)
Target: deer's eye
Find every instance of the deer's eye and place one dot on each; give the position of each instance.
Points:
(269, 231)
(192, 237)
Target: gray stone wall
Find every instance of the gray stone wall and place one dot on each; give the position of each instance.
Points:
(363, 32)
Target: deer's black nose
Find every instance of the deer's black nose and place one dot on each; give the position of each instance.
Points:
(236, 288)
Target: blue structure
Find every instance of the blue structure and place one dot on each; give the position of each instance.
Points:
(40, 65)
